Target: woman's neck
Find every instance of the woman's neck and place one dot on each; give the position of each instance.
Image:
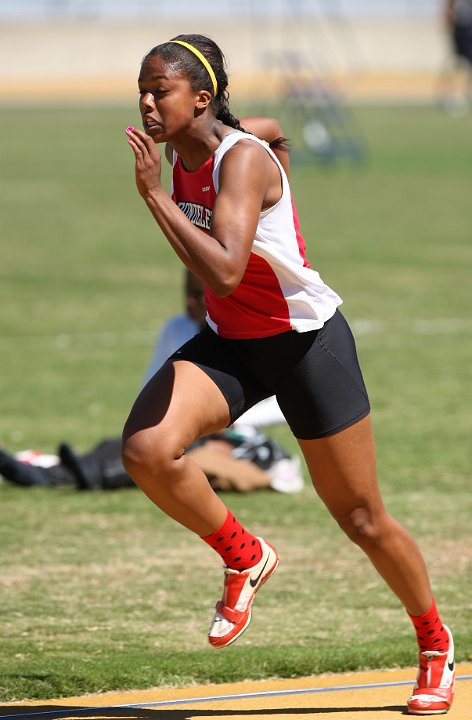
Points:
(195, 150)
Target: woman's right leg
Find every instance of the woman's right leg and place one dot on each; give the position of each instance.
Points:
(179, 404)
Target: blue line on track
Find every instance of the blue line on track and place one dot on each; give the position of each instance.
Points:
(61, 711)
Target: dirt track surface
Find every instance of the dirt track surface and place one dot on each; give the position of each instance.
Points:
(379, 695)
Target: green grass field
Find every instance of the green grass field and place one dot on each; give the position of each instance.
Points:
(101, 591)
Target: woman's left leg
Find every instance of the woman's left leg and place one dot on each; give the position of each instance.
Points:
(343, 472)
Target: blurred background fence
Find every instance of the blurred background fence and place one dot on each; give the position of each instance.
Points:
(306, 61)
(225, 8)
(91, 49)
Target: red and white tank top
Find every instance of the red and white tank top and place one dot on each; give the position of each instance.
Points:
(279, 290)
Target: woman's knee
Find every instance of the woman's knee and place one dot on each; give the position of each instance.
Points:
(365, 526)
(145, 455)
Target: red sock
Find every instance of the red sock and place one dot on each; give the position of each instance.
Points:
(239, 549)
(430, 631)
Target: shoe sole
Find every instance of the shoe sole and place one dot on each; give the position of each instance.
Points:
(427, 712)
(424, 711)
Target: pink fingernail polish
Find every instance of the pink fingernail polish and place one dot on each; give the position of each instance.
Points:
(130, 129)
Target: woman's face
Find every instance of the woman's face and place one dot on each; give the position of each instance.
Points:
(166, 103)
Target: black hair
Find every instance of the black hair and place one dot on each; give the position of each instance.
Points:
(186, 62)
(280, 143)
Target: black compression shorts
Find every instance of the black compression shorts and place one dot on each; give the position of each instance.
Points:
(462, 42)
(315, 375)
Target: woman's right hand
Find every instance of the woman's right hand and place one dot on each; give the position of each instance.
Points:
(147, 162)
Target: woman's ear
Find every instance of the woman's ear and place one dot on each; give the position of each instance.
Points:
(204, 98)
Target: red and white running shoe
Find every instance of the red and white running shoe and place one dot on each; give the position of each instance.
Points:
(233, 611)
(434, 689)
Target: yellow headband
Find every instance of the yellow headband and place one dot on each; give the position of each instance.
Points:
(203, 60)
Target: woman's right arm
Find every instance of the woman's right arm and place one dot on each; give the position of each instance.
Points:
(219, 258)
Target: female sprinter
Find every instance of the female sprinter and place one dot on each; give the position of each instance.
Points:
(273, 327)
